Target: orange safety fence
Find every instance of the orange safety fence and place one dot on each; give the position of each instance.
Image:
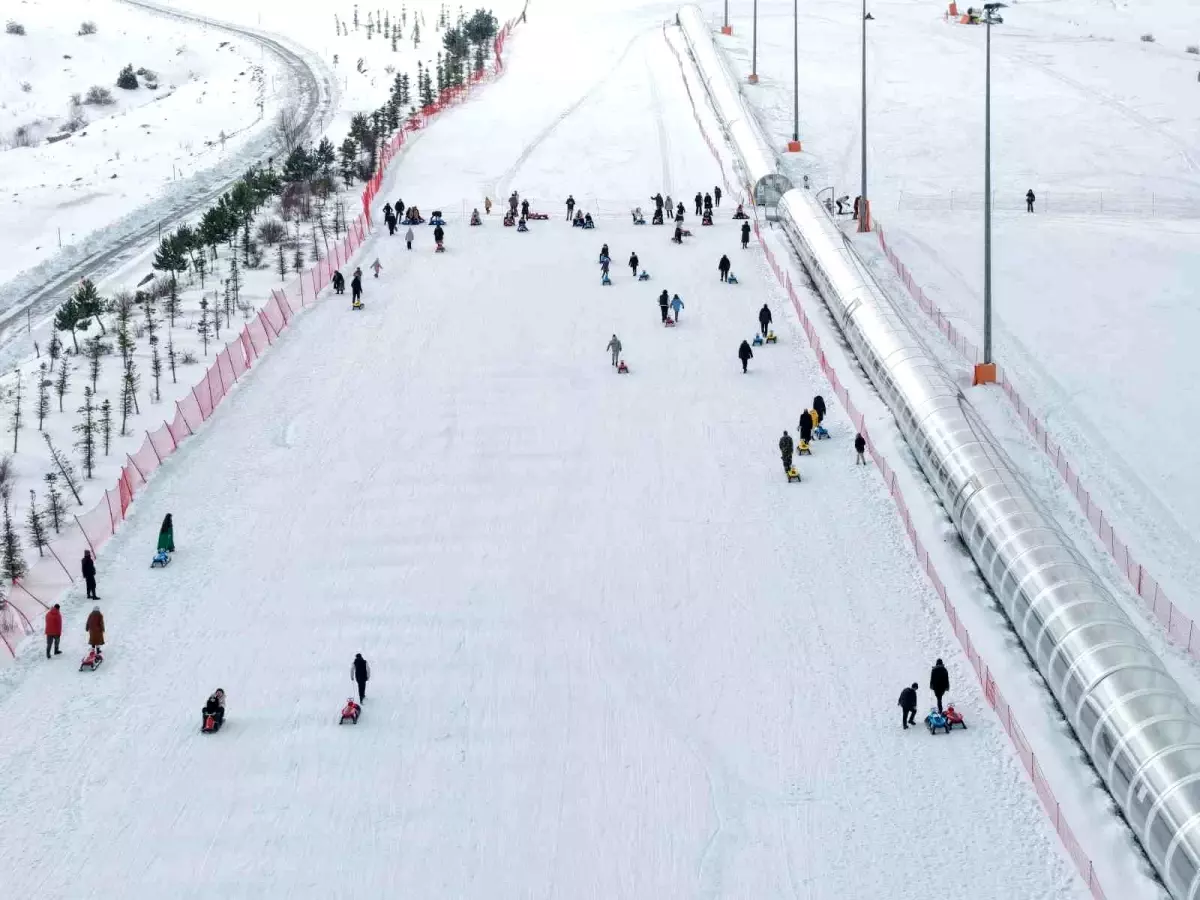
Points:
(91, 530)
(1179, 627)
(991, 691)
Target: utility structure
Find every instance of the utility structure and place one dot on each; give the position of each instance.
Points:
(794, 143)
(985, 372)
(864, 205)
(753, 79)
(726, 28)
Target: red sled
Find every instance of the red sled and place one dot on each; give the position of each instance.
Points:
(668, 322)
(441, 248)
(953, 717)
(350, 712)
(622, 369)
(92, 661)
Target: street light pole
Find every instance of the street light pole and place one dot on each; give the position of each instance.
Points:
(864, 206)
(794, 143)
(754, 48)
(985, 373)
(725, 29)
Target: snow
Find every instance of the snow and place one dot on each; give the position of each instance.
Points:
(212, 96)
(1096, 121)
(614, 653)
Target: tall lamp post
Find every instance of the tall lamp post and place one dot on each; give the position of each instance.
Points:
(985, 372)
(726, 28)
(864, 206)
(794, 143)
(754, 48)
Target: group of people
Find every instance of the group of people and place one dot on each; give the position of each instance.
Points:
(939, 684)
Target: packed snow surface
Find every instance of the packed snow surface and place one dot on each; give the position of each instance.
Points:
(614, 653)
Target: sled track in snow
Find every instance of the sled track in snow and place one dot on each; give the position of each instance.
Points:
(312, 93)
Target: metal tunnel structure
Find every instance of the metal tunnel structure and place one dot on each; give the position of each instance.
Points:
(1132, 718)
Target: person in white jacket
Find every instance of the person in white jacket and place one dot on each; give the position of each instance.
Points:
(408, 238)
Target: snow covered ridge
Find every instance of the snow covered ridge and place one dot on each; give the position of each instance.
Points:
(35, 588)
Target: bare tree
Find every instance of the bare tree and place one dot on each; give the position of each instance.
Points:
(289, 129)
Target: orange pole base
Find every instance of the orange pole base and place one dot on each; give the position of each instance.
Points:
(793, 146)
(753, 79)
(726, 29)
(985, 373)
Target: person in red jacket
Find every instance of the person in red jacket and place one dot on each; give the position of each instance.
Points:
(53, 629)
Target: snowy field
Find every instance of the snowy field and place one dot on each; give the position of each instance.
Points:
(1098, 123)
(210, 95)
(614, 653)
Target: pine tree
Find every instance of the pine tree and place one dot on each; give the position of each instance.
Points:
(106, 424)
(282, 263)
(94, 350)
(35, 526)
(200, 264)
(86, 429)
(297, 260)
(416, 34)
(170, 257)
(60, 384)
(214, 315)
(171, 358)
(203, 327)
(14, 559)
(129, 385)
(55, 349)
(54, 506)
(235, 284)
(67, 318)
(156, 370)
(18, 393)
(88, 302)
(348, 155)
(43, 403)
(63, 467)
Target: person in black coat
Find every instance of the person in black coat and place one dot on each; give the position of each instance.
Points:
(745, 235)
(699, 202)
(88, 567)
(786, 448)
(679, 212)
(745, 354)
(525, 209)
(658, 202)
(390, 221)
(860, 448)
(400, 208)
(360, 673)
(805, 426)
(339, 283)
(908, 706)
(708, 203)
(438, 234)
(764, 319)
(819, 406)
(356, 286)
(664, 302)
(717, 194)
(723, 267)
(1029, 198)
(678, 239)
(939, 682)
(633, 264)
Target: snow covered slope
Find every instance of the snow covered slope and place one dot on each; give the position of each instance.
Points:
(614, 653)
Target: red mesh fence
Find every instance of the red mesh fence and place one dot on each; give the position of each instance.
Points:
(1179, 627)
(991, 691)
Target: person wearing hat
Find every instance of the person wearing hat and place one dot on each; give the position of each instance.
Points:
(360, 673)
(939, 682)
(53, 629)
(95, 628)
(908, 706)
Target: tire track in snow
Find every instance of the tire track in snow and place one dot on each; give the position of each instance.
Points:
(664, 136)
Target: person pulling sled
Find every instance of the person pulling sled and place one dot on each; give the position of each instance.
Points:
(439, 235)
(339, 283)
(633, 264)
(360, 674)
(212, 716)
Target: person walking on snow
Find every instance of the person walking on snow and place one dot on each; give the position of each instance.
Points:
(438, 235)
(1029, 198)
(939, 682)
(408, 238)
(399, 209)
(95, 628)
(676, 306)
(908, 706)
(53, 629)
(664, 301)
(786, 446)
(339, 283)
(376, 267)
(633, 263)
(604, 264)
(723, 267)
(658, 202)
(860, 448)
(745, 354)
(360, 673)
(745, 235)
(88, 567)
(570, 206)
(524, 209)
(487, 206)
(805, 426)
(356, 286)
(679, 212)
(166, 534)
(764, 319)
(717, 194)
(708, 203)
(615, 346)
(390, 220)
(819, 406)
(699, 202)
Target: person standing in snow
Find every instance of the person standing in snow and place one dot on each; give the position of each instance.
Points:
(356, 287)
(513, 202)
(376, 267)
(615, 346)
(939, 682)
(524, 209)
(723, 267)
(95, 628)
(339, 282)
(860, 448)
(664, 301)
(745, 354)
(166, 534)
(399, 210)
(570, 206)
(764, 319)
(658, 202)
(708, 203)
(438, 235)
(699, 202)
(805, 426)
(1029, 198)
(679, 212)
(633, 264)
(389, 219)
(53, 629)
(88, 567)
(908, 706)
(360, 673)
(676, 306)
(786, 447)
(819, 406)
(603, 263)
(408, 238)
(487, 206)
(717, 194)
(745, 235)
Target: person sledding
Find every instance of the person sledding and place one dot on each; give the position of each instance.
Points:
(587, 221)
(522, 225)
(213, 713)
(740, 213)
(577, 222)
(475, 220)
(438, 236)
(638, 217)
